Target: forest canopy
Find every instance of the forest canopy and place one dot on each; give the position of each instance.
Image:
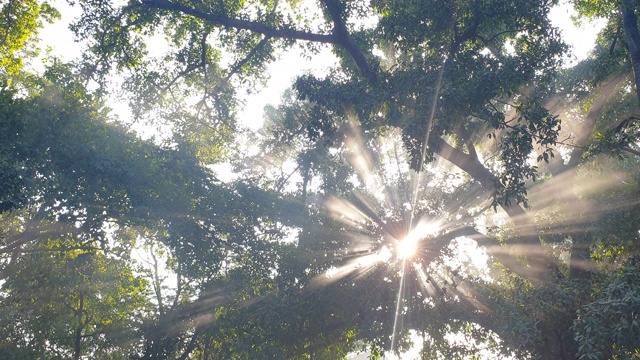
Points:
(453, 187)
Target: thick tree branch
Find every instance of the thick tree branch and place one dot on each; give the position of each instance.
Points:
(539, 260)
(339, 37)
(344, 39)
(35, 231)
(239, 24)
(492, 49)
(469, 34)
(467, 163)
(630, 150)
(37, 250)
(431, 248)
(472, 166)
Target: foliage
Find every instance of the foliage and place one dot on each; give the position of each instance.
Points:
(21, 21)
(60, 304)
(73, 173)
(608, 327)
(445, 121)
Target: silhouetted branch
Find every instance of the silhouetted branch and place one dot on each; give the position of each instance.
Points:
(340, 36)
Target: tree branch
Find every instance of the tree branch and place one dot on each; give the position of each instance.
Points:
(472, 166)
(157, 283)
(178, 76)
(343, 39)
(35, 230)
(467, 163)
(9, 23)
(630, 150)
(241, 63)
(524, 225)
(239, 24)
(191, 346)
(176, 300)
(36, 250)
(340, 36)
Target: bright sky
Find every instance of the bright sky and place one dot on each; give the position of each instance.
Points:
(581, 38)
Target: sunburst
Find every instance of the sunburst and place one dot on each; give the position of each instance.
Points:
(394, 217)
(408, 247)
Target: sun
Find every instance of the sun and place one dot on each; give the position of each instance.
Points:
(407, 247)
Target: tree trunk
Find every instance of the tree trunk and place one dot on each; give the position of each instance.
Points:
(78, 333)
(579, 263)
(632, 37)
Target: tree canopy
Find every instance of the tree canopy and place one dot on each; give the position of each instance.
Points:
(453, 185)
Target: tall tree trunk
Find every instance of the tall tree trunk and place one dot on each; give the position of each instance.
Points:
(78, 333)
(632, 37)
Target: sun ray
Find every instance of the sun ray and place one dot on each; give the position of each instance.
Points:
(397, 319)
(396, 222)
